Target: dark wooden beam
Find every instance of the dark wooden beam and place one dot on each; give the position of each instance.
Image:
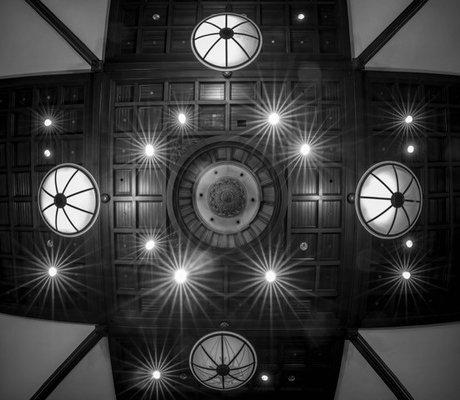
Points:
(69, 364)
(67, 34)
(379, 366)
(391, 30)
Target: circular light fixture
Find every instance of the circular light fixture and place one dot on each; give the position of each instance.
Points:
(274, 118)
(52, 271)
(226, 42)
(182, 118)
(409, 119)
(409, 243)
(47, 153)
(270, 276)
(264, 377)
(300, 16)
(156, 374)
(150, 245)
(406, 275)
(305, 149)
(156, 17)
(388, 200)
(149, 150)
(410, 149)
(223, 361)
(180, 276)
(68, 200)
(47, 122)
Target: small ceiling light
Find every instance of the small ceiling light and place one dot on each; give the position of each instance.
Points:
(305, 149)
(409, 243)
(52, 271)
(300, 16)
(270, 276)
(156, 374)
(410, 149)
(409, 119)
(150, 244)
(264, 377)
(156, 17)
(180, 276)
(149, 150)
(47, 122)
(47, 153)
(406, 275)
(274, 119)
(182, 118)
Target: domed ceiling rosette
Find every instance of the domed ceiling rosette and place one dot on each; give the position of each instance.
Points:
(225, 194)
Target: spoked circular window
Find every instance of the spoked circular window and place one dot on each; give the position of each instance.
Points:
(388, 200)
(68, 199)
(223, 360)
(226, 42)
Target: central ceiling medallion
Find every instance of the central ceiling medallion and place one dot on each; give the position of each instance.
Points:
(225, 194)
(226, 42)
(223, 360)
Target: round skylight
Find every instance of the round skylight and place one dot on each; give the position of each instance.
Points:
(226, 42)
(223, 360)
(68, 199)
(388, 200)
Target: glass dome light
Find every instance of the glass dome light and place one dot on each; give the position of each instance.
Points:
(223, 361)
(68, 200)
(226, 42)
(388, 200)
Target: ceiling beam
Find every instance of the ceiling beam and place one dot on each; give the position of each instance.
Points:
(67, 34)
(379, 366)
(69, 363)
(391, 30)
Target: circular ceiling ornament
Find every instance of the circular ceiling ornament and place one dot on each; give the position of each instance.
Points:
(225, 194)
(388, 200)
(226, 42)
(68, 200)
(223, 360)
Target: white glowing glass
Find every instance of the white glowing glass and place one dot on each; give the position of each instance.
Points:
(180, 276)
(69, 200)
(274, 119)
(47, 153)
(226, 41)
(182, 118)
(150, 245)
(223, 361)
(264, 377)
(388, 200)
(156, 374)
(270, 276)
(410, 149)
(406, 275)
(305, 149)
(409, 119)
(149, 150)
(52, 271)
(47, 122)
(300, 16)
(409, 243)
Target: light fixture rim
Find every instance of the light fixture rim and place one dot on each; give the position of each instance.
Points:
(97, 194)
(227, 333)
(226, 69)
(364, 176)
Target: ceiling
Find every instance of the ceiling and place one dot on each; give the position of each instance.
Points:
(334, 279)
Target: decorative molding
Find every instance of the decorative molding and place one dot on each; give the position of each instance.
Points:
(379, 366)
(69, 363)
(67, 34)
(390, 31)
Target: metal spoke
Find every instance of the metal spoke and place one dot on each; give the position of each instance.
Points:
(234, 377)
(46, 208)
(411, 201)
(81, 191)
(247, 34)
(56, 218)
(382, 182)
(71, 223)
(55, 181)
(48, 193)
(237, 354)
(407, 216)
(409, 185)
(239, 24)
(383, 212)
(242, 48)
(208, 34)
(397, 179)
(206, 368)
(211, 378)
(80, 209)
(375, 198)
(205, 352)
(244, 366)
(211, 23)
(67, 184)
(204, 57)
(394, 220)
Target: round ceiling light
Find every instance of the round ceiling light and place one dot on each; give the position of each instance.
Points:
(389, 200)
(226, 42)
(68, 200)
(223, 360)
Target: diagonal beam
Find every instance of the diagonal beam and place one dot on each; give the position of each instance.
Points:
(69, 364)
(67, 34)
(379, 366)
(391, 30)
